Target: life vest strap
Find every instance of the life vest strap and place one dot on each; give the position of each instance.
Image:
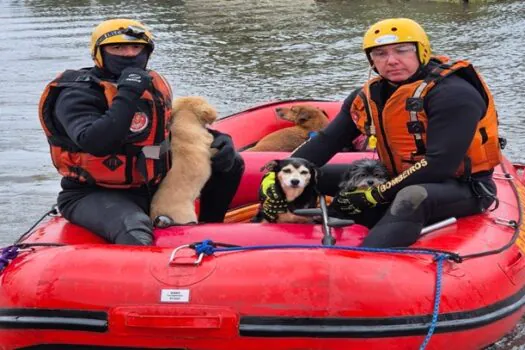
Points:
(82, 174)
(369, 123)
(414, 105)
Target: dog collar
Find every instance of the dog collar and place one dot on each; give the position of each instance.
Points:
(312, 134)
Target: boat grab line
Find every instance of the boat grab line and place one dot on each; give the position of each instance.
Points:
(506, 222)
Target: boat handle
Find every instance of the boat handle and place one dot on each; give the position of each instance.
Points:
(185, 321)
(172, 261)
(502, 176)
(505, 222)
(438, 225)
(172, 321)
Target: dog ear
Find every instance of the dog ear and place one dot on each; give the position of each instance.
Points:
(314, 170)
(324, 112)
(271, 165)
(284, 114)
(209, 116)
(317, 174)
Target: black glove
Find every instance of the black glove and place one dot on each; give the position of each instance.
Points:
(135, 80)
(224, 159)
(355, 202)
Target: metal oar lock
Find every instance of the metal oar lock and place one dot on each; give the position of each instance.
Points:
(326, 221)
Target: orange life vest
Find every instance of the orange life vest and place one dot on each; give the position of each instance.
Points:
(400, 128)
(145, 161)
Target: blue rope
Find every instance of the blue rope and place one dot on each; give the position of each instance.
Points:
(440, 258)
(208, 247)
(205, 247)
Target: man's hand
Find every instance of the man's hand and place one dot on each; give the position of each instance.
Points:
(134, 79)
(224, 159)
(355, 202)
(273, 200)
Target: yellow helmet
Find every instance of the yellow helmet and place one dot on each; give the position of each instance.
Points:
(115, 31)
(397, 30)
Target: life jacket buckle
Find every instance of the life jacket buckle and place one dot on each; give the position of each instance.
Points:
(83, 78)
(502, 142)
(156, 151)
(414, 104)
(416, 127)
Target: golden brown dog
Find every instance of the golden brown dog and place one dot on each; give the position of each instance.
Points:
(307, 119)
(173, 203)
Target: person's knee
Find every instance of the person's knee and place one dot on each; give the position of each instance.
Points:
(408, 200)
(137, 229)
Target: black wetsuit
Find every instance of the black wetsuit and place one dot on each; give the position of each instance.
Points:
(121, 216)
(454, 108)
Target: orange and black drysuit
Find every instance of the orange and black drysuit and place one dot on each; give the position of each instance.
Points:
(438, 131)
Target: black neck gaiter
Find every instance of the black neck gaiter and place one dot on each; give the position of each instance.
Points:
(115, 64)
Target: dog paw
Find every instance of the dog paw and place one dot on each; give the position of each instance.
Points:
(162, 221)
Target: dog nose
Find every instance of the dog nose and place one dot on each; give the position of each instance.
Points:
(294, 182)
(279, 111)
(370, 182)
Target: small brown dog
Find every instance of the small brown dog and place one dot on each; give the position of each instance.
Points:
(307, 119)
(174, 201)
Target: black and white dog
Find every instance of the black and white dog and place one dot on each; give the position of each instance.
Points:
(296, 180)
(364, 173)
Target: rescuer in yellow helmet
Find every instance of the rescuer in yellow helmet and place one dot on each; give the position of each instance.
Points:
(107, 129)
(433, 124)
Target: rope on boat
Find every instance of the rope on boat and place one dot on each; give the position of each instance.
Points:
(8, 254)
(208, 247)
(52, 212)
(11, 252)
(440, 259)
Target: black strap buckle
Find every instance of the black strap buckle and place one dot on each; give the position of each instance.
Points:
(416, 127)
(502, 142)
(414, 104)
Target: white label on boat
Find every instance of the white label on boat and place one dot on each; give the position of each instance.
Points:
(175, 295)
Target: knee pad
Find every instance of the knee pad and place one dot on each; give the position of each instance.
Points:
(408, 200)
(137, 230)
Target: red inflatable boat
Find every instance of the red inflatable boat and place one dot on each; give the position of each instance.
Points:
(268, 286)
